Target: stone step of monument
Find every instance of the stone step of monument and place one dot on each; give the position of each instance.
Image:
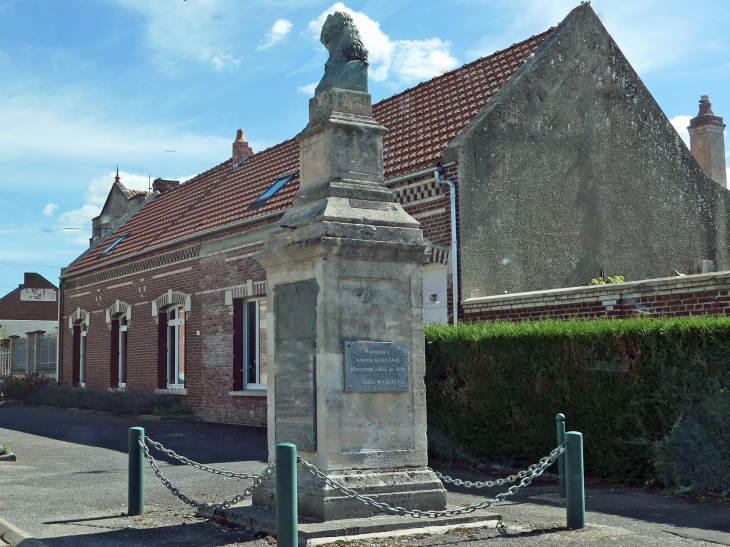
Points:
(311, 530)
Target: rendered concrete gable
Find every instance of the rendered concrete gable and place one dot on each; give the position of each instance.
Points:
(573, 168)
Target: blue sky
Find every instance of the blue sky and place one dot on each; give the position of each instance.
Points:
(159, 87)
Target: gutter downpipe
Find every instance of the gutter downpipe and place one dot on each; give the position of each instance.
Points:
(58, 328)
(454, 261)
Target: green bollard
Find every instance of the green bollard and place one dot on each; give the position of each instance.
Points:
(287, 528)
(560, 419)
(575, 497)
(135, 505)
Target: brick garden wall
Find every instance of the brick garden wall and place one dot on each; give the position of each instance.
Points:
(702, 294)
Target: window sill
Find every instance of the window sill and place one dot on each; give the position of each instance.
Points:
(120, 389)
(173, 391)
(248, 393)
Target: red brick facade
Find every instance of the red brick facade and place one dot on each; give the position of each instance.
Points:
(205, 269)
(702, 294)
(214, 270)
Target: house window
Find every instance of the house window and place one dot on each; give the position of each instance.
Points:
(82, 355)
(122, 358)
(176, 348)
(250, 340)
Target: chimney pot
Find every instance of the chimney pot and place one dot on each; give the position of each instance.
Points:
(241, 149)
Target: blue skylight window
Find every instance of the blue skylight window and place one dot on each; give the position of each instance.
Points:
(110, 247)
(278, 185)
(239, 164)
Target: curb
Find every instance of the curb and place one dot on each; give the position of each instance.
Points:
(9, 457)
(14, 535)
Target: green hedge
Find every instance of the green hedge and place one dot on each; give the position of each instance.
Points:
(649, 395)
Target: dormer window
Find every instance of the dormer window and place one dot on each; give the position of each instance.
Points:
(278, 185)
(110, 247)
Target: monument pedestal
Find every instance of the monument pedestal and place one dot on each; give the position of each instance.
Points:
(346, 346)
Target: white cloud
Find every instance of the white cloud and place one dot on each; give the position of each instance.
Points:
(91, 135)
(49, 209)
(308, 89)
(407, 61)
(202, 30)
(277, 33)
(681, 123)
(653, 34)
(223, 62)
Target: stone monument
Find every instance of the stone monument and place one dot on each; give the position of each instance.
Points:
(344, 271)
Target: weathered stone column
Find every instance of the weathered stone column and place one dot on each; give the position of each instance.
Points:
(346, 347)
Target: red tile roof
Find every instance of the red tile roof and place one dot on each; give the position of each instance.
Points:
(421, 122)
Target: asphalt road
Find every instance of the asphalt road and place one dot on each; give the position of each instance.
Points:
(68, 487)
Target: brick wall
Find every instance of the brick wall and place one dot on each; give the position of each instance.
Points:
(207, 276)
(208, 325)
(702, 294)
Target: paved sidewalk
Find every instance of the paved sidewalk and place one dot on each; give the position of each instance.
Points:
(68, 487)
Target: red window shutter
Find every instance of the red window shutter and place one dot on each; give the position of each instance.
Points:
(114, 377)
(237, 344)
(76, 362)
(162, 350)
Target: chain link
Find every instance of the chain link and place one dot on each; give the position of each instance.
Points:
(258, 481)
(499, 482)
(188, 461)
(527, 477)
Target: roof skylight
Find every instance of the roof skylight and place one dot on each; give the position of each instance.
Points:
(239, 164)
(110, 247)
(278, 185)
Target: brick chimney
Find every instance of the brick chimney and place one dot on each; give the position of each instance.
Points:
(162, 185)
(241, 149)
(707, 141)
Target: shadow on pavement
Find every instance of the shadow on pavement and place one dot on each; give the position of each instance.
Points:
(200, 441)
(200, 534)
(628, 503)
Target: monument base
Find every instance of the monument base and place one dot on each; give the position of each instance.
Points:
(264, 521)
(412, 488)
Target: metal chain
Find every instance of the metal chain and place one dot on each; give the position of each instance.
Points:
(530, 474)
(498, 482)
(258, 481)
(197, 465)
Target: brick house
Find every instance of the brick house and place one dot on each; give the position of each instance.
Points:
(29, 325)
(567, 163)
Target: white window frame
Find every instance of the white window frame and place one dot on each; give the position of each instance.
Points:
(82, 355)
(176, 324)
(258, 385)
(122, 363)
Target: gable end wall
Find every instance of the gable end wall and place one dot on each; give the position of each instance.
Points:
(573, 168)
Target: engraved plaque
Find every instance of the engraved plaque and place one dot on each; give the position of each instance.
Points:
(375, 366)
(295, 391)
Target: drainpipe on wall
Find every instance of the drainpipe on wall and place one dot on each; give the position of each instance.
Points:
(454, 260)
(58, 328)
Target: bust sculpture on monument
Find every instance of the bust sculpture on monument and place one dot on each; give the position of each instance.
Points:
(347, 66)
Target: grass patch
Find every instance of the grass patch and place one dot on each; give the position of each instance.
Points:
(5, 448)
